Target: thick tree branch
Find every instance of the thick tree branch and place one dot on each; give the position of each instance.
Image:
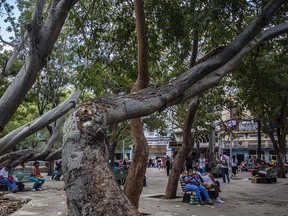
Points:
(14, 56)
(45, 39)
(215, 77)
(55, 133)
(23, 156)
(6, 42)
(150, 100)
(14, 137)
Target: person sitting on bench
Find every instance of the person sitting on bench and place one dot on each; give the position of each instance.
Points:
(57, 171)
(7, 179)
(194, 182)
(209, 182)
(36, 177)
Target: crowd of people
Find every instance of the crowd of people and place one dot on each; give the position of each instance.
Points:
(161, 163)
(8, 178)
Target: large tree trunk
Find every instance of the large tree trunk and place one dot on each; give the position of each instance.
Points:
(211, 148)
(90, 184)
(280, 164)
(134, 182)
(187, 145)
(282, 138)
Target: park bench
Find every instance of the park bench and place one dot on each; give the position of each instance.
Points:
(121, 176)
(21, 178)
(187, 194)
(269, 177)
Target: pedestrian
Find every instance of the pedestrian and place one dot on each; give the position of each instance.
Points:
(234, 164)
(189, 161)
(202, 164)
(168, 165)
(249, 163)
(150, 162)
(225, 160)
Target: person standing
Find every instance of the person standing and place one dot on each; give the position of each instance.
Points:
(189, 161)
(5, 178)
(202, 164)
(168, 165)
(249, 163)
(234, 163)
(225, 160)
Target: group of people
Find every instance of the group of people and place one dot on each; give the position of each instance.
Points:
(223, 161)
(192, 163)
(195, 181)
(161, 163)
(7, 177)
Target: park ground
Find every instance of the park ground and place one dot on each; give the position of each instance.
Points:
(240, 195)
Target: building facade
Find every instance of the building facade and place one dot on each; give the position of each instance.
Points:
(243, 143)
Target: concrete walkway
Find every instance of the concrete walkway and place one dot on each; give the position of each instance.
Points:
(240, 195)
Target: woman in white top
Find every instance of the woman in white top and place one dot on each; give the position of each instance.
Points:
(202, 163)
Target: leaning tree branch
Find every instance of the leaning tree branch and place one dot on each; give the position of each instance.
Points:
(55, 134)
(15, 54)
(54, 155)
(45, 36)
(23, 156)
(35, 18)
(6, 42)
(215, 77)
(150, 100)
(14, 137)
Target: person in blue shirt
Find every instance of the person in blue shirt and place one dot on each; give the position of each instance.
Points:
(194, 182)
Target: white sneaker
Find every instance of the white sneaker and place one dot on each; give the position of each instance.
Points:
(219, 200)
(39, 189)
(33, 189)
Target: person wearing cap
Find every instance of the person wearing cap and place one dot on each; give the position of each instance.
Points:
(36, 177)
(6, 179)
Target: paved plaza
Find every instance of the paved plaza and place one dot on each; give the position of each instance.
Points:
(240, 195)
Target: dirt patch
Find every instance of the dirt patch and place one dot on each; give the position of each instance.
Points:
(9, 205)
